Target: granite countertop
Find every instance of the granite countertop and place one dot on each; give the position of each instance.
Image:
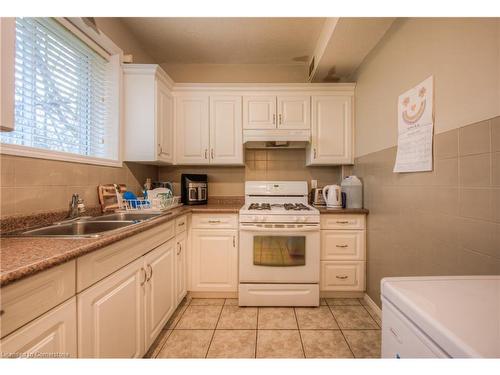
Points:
(324, 210)
(24, 256)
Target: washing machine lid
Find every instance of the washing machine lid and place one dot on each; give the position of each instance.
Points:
(461, 314)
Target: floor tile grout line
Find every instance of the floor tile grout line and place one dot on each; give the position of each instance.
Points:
(300, 335)
(164, 343)
(371, 317)
(348, 345)
(215, 328)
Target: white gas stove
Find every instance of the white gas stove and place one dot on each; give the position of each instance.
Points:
(279, 245)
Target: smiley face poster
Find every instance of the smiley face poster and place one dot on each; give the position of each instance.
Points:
(415, 128)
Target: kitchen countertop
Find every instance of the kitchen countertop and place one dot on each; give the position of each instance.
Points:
(324, 210)
(25, 256)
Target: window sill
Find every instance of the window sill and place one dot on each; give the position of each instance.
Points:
(30, 152)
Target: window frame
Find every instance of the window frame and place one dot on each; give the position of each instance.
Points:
(104, 46)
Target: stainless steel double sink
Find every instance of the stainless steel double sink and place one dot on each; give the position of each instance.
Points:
(89, 226)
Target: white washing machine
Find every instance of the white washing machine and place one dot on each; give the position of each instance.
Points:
(441, 317)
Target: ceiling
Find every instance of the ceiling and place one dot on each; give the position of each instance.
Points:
(227, 40)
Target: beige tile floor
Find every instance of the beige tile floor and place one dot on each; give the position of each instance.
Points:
(218, 328)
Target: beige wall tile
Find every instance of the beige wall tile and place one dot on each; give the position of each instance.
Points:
(445, 172)
(476, 203)
(475, 170)
(495, 199)
(7, 201)
(495, 168)
(446, 145)
(260, 155)
(475, 138)
(480, 236)
(7, 170)
(495, 134)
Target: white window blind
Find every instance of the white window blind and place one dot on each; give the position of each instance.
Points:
(61, 92)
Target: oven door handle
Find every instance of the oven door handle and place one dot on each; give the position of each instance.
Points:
(255, 228)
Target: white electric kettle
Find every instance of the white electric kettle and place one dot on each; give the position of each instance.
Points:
(333, 196)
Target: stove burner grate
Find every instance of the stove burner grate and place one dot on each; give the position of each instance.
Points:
(259, 206)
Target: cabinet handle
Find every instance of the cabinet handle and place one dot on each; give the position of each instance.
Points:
(234, 241)
(341, 277)
(274, 119)
(213, 221)
(151, 272)
(179, 248)
(160, 148)
(279, 118)
(342, 222)
(2, 312)
(206, 153)
(181, 224)
(340, 245)
(143, 271)
(212, 152)
(314, 153)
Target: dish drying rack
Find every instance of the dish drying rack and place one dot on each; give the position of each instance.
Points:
(147, 205)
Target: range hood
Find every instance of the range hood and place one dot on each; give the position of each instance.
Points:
(276, 138)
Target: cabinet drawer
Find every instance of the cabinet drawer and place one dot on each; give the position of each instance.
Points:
(342, 221)
(180, 224)
(27, 299)
(342, 276)
(50, 335)
(342, 245)
(101, 263)
(215, 221)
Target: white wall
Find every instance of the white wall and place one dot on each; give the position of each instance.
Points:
(462, 54)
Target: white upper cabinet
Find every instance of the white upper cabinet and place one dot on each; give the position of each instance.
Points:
(208, 130)
(165, 123)
(259, 112)
(226, 144)
(148, 110)
(192, 130)
(277, 112)
(294, 112)
(331, 131)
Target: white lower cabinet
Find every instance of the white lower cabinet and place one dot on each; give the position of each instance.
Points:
(51, 335)
(180, 267)
(343, 253)
(160, 292)
(214, 258)
(121, 316)
(111, 315)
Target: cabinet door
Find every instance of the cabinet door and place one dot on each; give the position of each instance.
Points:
(51, 334)
(180, 267)
(294, 112)
(164, 123)
(111, 315)
(259, 112)
(214, 260)
(160, 289)
(192, 130)
(332, 141)
(226, 133)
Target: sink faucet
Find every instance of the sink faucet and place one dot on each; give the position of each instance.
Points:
(75, 207)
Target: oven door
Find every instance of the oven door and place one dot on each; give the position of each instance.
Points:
(279, 253)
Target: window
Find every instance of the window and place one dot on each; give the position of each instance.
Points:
(63, 93)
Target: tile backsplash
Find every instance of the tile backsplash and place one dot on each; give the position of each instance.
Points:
(273, 164)
(444, 222)
(30, 185)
